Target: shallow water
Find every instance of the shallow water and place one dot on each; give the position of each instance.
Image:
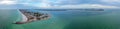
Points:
(72, 19)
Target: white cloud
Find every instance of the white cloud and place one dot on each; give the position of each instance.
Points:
(111, 1)
(88, 6)
(82, 6)
(48, 3)
(43, 5)
(7, 2)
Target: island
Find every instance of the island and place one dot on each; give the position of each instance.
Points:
(29, 16)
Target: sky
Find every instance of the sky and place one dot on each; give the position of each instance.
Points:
(60, 3)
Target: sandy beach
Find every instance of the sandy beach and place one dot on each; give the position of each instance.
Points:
(28, 16)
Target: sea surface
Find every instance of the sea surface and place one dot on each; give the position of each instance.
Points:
(66, 19)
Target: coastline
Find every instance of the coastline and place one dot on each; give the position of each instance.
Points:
(24, 18)
(28, 16)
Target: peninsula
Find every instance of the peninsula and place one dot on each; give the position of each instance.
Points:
(29, 16)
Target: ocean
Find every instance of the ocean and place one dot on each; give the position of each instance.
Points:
(68, 19)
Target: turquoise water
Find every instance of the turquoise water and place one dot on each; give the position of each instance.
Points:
(71, 19)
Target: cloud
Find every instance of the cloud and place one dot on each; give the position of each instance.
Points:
(89, 6)
(62, 3)
(67, 2)
(44, 3)
(111, 1)
(83, 6)
(7, 2)
(40, 3)
(49, 3)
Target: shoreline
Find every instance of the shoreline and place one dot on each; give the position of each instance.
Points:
(28, 16)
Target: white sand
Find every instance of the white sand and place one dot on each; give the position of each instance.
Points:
(24, 18)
